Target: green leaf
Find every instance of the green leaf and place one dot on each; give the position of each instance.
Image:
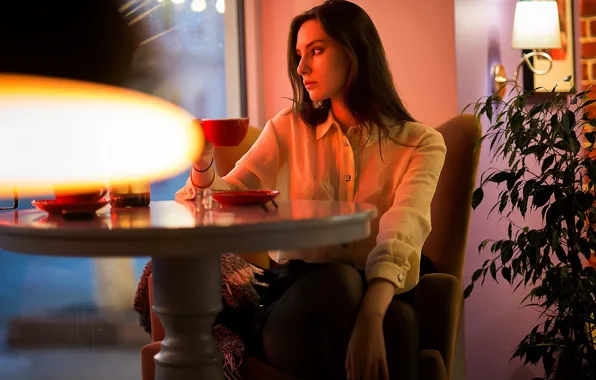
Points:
(529, 188)
(584, 247)
(553, 214)
(504, 202)
(477, 274)
(533, 149)
(587, 103)
(489, 109)
(514, 197)
(554, 121)
(542, 196)
(477, 197)
(506, 273)
(561, 255)
(499, 177)
(511, 181)
(536, 110)
(561, 145)
(591, 165)
(468, 290)
(574, 144)
(493, 271)
(555, 238)
(566, 122)
(523, 206)
(548, 161)
(506, 252)
(482, 245)
(571, 117)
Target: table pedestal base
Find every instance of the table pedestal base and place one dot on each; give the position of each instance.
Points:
(187, 298)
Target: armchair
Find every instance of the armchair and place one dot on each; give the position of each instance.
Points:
(436, 315)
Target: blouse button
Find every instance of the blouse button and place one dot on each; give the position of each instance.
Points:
(347, 178)
(400, 278)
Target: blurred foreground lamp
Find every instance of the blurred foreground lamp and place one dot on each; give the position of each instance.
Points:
(64, 119)
(74, 134)
(535, 26)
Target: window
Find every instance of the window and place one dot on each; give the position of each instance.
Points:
(64, 318)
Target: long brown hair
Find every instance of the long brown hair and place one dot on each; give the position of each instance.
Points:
(370, 92)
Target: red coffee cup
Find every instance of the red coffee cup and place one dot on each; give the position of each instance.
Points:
(81, 196)
(225, 132)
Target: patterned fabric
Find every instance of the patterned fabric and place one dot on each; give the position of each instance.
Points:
(234, 324)
(141, 301)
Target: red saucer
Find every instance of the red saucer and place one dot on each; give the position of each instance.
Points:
(244, 198)
(52, 206)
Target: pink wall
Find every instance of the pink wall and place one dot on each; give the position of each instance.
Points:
(414, 39)
(494, 321)
(440, 60)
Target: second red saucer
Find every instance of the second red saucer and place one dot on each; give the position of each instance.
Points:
(52, 206)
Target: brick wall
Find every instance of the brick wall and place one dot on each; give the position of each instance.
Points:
(587, 29)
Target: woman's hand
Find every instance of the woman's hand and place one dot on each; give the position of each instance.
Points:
(207, 147)
(366, 357)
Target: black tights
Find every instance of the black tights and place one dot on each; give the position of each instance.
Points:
(308, 330)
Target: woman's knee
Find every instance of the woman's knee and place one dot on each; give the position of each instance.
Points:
(330, 288)
(339, 284)
(314, 320)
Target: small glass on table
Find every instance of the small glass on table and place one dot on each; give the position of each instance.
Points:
(10, 204)
(204, 199)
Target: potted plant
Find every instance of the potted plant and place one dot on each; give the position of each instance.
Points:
(547, 146)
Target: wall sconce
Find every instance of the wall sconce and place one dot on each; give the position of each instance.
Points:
(535, 26)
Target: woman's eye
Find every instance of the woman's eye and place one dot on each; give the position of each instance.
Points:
(316, 51)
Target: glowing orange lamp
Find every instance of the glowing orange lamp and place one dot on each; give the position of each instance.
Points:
(73, 134)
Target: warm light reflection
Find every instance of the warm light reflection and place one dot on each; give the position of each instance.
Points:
(178, 1)
(57, 132)
(126, 218)
(198, 5)
(220, 6)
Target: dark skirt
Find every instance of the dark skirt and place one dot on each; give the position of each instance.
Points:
(282, 277)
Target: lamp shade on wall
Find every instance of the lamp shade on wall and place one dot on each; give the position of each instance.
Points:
(75, 134)
(536, 25)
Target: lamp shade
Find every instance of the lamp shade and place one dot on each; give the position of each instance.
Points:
(536, 25)
(74, 134)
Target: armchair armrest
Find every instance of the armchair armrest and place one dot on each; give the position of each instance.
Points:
(431, 366)
(438, 305)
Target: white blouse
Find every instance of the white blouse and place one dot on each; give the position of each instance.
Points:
(324, 163)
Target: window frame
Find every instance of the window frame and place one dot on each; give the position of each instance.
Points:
(235, 59)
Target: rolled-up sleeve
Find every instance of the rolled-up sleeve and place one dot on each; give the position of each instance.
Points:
(256, 170)
(406, 225)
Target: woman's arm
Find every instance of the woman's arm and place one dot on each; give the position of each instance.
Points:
(257, 169)
(402, 232)
(404, 228)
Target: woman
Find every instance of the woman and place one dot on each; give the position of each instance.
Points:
(347, 137)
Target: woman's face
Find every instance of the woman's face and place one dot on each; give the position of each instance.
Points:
(323, 64)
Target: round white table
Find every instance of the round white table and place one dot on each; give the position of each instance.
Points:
(185, 246)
